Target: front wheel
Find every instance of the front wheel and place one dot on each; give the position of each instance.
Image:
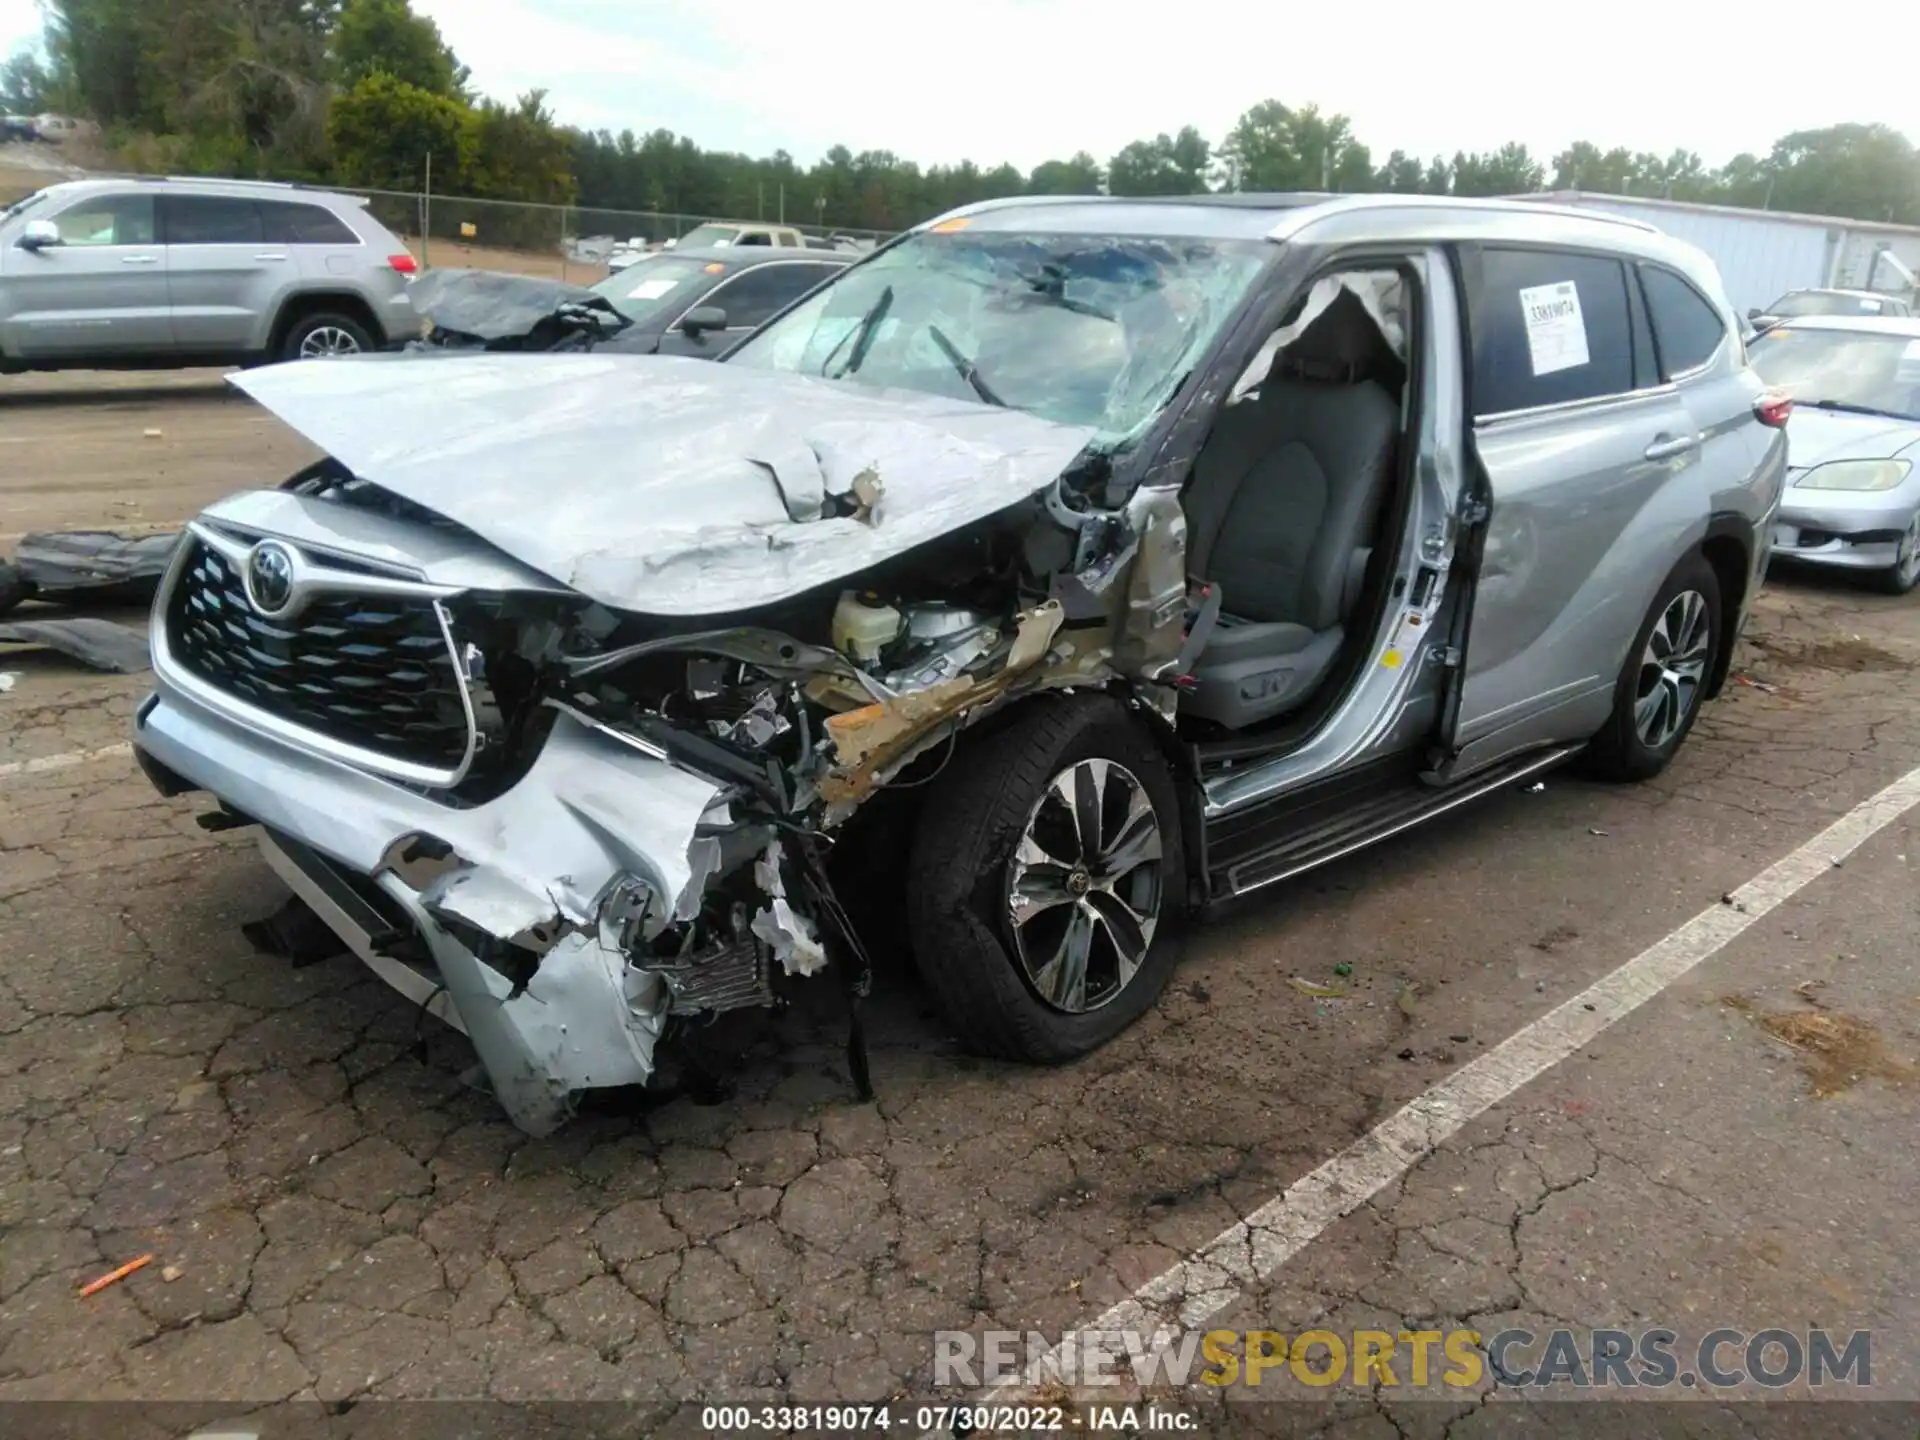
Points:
(1900, 577)
(1658, 695)
(1046, 881)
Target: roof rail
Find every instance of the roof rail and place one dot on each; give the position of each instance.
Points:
(224, 180)
(109, 176)
(1297, 209)
(1299, 219)
(1008, 202)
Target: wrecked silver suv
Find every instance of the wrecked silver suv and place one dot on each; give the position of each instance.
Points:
(1060, 569)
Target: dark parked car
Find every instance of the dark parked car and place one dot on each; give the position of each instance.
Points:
(678, 302)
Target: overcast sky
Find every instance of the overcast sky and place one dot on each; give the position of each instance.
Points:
(1028, 80)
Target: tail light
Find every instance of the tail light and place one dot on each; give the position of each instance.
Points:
(1772, 408)
(405, 264)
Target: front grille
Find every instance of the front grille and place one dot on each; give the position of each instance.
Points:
(372, 671)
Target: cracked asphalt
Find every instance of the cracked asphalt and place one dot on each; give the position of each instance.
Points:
(335, 1217)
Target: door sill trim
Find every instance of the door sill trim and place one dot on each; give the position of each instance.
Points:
(1420, 807)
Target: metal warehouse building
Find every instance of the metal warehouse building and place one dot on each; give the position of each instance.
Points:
(1762, 254)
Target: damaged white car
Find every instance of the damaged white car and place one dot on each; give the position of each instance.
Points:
(1064, 568)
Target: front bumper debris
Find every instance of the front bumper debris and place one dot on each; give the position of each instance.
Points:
(1854, 530)
(512, 919)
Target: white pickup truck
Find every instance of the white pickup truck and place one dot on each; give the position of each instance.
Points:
(715, 236)
(721, 235)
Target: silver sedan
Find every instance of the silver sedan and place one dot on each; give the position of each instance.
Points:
(1853, 478)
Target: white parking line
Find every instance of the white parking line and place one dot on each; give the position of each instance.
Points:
(1214, 1277)
(12, 768)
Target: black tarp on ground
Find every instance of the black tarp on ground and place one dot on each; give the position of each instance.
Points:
(71, 567)
(98, 644)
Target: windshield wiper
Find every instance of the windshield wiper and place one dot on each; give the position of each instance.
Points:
(969, 372)
(1050, 286)
(862, 337)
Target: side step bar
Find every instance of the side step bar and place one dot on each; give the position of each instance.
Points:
(1370, 820)
(360, 927)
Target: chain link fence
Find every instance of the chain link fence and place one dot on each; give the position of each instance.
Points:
(560, 242)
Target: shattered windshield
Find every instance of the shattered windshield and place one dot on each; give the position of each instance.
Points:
(1095, 330)
(1857, 370)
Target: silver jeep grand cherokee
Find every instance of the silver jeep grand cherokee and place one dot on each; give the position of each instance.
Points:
(149, 274)
(1063, 568)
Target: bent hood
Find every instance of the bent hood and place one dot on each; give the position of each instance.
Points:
(665, 484)
(1816, 436)
(493, 306)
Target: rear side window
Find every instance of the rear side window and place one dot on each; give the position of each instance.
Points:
(755, 296)
(285, 223)
(1686, 328)
(210, 220)
(1549, 328)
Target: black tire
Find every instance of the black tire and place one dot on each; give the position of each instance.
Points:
(308, 326)
(1621, 751)
(1900, 577)
(959, 872)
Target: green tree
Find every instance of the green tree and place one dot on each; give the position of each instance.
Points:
(132, 64)
(385, 37)
(1402, 174)
(518, 153)
(1164, 165)
(1865, 172)
(24, 85)
(1583, 166)
(1746, 180)
(1274, 148)
(1192, 157)
(383, 129)
(1510, 170)
(266, 95)
(1080, 175)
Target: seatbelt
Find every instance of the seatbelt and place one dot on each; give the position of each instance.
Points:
(1198, 632)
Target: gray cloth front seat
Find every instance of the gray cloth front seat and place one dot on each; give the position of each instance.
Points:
(1281, 511)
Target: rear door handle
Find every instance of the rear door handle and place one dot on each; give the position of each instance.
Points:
(1666, 447)
(139, 259)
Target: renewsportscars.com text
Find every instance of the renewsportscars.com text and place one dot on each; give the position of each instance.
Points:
(1655, 1358)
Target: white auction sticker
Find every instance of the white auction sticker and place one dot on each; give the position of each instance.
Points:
(1556, 330)
(651, 289)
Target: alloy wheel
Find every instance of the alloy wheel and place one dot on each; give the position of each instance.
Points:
(1672, 669)
(1084, 886)
(328, 342)
(1906, 563)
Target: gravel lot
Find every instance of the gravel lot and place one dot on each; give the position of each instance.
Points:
(335, 1217)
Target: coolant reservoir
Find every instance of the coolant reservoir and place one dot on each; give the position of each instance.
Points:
(864, 625)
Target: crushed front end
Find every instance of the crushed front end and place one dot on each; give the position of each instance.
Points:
(568, 830)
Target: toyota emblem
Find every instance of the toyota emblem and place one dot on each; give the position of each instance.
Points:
(270, 578)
